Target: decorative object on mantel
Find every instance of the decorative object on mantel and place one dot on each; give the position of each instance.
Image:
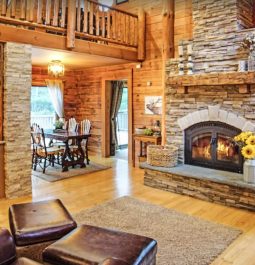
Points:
(249, 44)
(181, 59)
(246, 141)
(242, 66)
(162, 156)
(190, 60)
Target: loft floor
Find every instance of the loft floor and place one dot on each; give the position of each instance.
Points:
(87, 191)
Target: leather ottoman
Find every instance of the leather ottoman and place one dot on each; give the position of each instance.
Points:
(36, 225)
(89, 245)
(8, 251)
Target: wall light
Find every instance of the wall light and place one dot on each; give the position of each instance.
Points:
(56, 68)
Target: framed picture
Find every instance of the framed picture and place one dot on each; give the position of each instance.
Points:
(153, 105)
(121, 1)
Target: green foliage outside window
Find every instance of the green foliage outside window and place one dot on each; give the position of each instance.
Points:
(40, 101)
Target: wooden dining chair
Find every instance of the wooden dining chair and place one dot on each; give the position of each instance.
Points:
(71, 126)
(85, 129)
(41, 153)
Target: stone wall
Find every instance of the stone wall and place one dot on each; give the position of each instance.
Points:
(17, 86)
(218, 29)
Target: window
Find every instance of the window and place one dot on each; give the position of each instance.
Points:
(42, 110)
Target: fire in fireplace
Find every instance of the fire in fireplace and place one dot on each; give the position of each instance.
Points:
(210, 144)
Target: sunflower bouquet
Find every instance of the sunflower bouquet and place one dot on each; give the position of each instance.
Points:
(246, 141)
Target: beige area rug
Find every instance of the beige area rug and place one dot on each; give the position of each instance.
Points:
(182, 239)
(55, 173)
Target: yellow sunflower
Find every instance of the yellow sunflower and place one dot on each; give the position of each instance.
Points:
(250, 140)
(248, 151)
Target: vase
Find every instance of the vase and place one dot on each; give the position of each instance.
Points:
(249, 171)
(251, 62)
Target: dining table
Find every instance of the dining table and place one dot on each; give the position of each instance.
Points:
(68, 159)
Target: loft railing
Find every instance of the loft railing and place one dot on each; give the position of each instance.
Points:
(83, 19)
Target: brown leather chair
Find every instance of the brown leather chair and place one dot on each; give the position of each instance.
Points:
(93, 245)
(8, 251)
(36, 225)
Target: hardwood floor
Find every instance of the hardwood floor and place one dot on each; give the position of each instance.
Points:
(83, 192)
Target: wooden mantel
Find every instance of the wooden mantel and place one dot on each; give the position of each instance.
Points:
(242, 79)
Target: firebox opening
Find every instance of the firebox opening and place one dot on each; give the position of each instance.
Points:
(210, 144)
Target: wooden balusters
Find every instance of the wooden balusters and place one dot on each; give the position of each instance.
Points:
(78, 16)
(3, 7)
(55, 13)
(71, 23)
(48, 12)
(63, 14)
(91, 17)
(13, 8)
(85, 18)
(39, 11)
(30, 10)
(85, 21)
(103, 23)
(108, 17)
(22, 9)
(141, 35)
(114, 24)
(135, 31)
(97, 23)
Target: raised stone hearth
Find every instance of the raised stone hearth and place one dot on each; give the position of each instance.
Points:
(222, 187)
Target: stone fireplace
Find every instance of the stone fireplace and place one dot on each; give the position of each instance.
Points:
(204, 113)
(210, 144)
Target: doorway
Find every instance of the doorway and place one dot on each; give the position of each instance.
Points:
(124, 131)
(121, 150)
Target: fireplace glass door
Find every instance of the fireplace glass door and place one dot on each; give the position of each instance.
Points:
(210, 144)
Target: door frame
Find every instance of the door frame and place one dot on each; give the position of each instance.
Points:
(105, 97)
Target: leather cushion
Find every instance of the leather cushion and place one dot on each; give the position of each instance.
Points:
(7, 247)
(113, 261)
(94, 245)
(25, 261)
(39, 222)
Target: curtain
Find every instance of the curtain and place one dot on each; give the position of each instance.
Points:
(56, 91)
(117, 91)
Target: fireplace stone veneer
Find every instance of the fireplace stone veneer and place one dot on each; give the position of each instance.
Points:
(223, 97)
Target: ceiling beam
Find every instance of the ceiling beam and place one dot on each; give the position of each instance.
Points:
(52, 41)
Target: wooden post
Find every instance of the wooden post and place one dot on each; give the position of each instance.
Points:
(168, 29)
(71, 24)
(141, 35)
(167, 52)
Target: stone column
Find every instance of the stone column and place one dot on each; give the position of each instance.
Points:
(17, 87)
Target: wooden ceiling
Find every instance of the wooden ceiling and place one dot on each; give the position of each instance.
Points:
(71, 60)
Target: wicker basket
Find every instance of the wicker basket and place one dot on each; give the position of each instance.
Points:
(162, 156)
